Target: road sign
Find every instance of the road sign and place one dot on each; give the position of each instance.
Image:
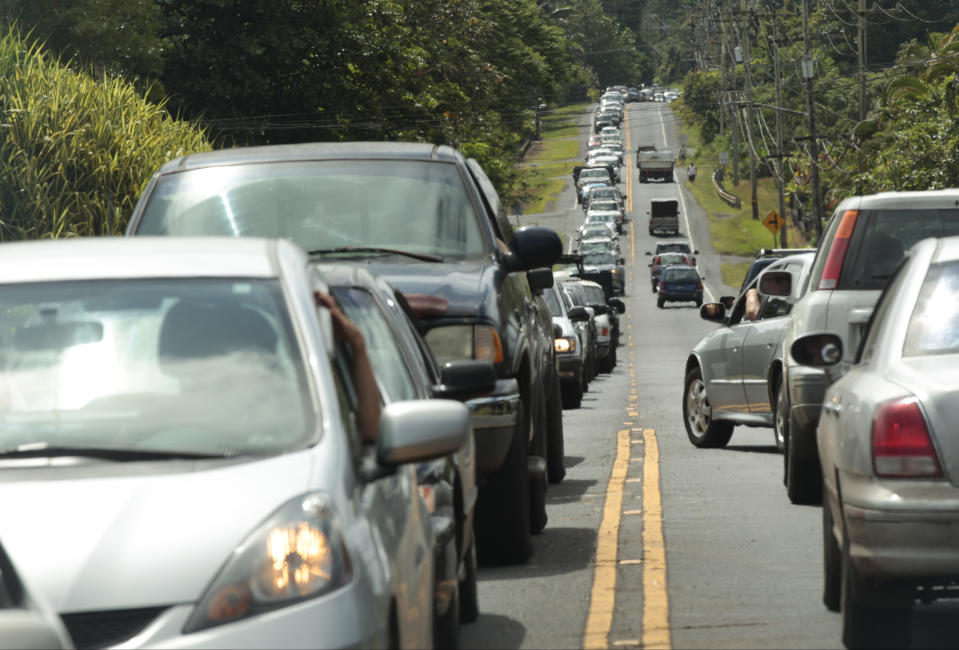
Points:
(723, 157)
(774, 222)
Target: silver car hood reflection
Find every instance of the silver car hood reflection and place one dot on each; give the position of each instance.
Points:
(95, 542)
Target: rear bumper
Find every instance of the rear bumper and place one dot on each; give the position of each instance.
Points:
(902, 531)
(493, 418)
(677, 296)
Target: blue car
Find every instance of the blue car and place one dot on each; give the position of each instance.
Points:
(678, 284)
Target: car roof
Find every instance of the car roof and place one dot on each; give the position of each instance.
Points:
(313, 151)
(918, 200)
(95, 258)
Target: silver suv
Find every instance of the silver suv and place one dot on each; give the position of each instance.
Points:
(861, 247)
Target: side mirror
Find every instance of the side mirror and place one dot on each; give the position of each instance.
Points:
(620, 260)
(617, 305)
(414, 431)
(599, 310)
(714, 312)
(557, 331)
(533, 247)
(577, 314)
(540, 279)
(728, 301)
(776, 283)
(695, 252)
(817, 350)
(462, 380)
(648, 253)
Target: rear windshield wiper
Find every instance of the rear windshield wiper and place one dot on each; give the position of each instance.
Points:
(423, 257)
(43, 450)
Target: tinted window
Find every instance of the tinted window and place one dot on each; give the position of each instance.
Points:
(680, 275)
(881, 239)
(420, 207)
(553, 303)
(934, 326)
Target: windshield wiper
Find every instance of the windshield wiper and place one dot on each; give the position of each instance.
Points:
(44, 450)
(423, 257)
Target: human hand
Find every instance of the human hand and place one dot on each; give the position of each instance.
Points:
(343, 328)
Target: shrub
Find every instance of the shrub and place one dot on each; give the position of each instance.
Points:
(75, 152)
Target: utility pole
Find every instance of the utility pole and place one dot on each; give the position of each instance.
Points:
(779, 137)
(862, 60)
(746, 115)
(808, 70)
(727, 98)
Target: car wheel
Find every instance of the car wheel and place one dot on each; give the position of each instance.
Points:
(502, 511)
(831, 563)
(803, 480)
(654, 286)
(701, 429)
(781, 415)
(555, 446)
(573, 392)
(660, 302)
(607, 364)
(538, 447)
(446, 628)
(699, 302)
(469, 593)
(873, 616)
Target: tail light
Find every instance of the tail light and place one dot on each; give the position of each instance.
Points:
(699, 284)
(662, 285)
(837, 252)
(605, 331)
(901, 445)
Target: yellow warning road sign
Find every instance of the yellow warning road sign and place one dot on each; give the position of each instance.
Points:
(774, 222)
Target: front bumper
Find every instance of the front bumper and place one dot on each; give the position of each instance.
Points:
(902, 530)
(493, 418)
(569, 368)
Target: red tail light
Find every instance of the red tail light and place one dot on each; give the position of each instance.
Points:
(662, 285)
(837, 252)
(699, 284)
(901, 446)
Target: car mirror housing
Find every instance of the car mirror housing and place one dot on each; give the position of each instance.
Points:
(539, 279)
(462, 380)
(617, 305)
(776, 283)
(817, 350)
(577, 314)
(419, 430)
(714, 312)
(599, 310)
(533, 247)
(557, 331)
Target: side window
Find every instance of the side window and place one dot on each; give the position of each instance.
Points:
(867, 348)
(347, 398)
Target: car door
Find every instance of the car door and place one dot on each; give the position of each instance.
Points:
(723, 362)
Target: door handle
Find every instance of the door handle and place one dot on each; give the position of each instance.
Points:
(833, 409)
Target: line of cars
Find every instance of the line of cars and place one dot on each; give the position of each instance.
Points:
(200, 398)
(850, 358)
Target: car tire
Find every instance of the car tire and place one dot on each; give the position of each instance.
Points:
(446, 629)
(607, 364)
(831, 563)
(660, 302)
(654, 286)
(803, 479)
(699, 302)
(781, 415)
(555, 445)
(573, 392)
(502, 511)
(538, 447)
(873, 616)
(469, 592)
(703, 431)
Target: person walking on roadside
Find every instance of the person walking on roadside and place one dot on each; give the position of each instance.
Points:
(691, 173)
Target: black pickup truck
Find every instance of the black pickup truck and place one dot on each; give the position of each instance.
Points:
(428, 220)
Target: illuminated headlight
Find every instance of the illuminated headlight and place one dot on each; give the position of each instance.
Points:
(295, 555)
(459, 342)
(565, 344)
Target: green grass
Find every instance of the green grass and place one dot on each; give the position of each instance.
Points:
(542, 194)
(553, 169)
(734, 273)
(570, 131)
(553, 150)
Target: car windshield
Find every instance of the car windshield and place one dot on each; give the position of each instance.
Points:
(594, 174)
(595, 231)
(680, 275)
(596, 245)
(934, 325)
(883, 236)
(668, 248)
(411, 206)
(599, 258)
(198, 366)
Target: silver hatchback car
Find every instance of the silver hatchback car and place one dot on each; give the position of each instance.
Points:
(889, 452)
(182, 465)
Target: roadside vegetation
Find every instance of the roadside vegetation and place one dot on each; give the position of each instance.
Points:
(550, 160)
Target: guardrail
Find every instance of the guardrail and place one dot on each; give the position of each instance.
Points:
(730, 199)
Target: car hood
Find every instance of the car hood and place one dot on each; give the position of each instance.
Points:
(153, 534)
(461, 283)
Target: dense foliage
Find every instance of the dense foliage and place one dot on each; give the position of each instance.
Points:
(74, 153)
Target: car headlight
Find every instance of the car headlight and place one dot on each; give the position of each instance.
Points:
(294, 555)
(565, 344)
(458, 342)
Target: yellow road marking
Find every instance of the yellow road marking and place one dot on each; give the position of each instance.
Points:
(602, 597)
(655, 599)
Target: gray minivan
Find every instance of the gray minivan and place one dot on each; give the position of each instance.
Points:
(863, 244)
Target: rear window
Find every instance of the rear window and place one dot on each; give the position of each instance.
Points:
(881, 239)
(680, 275)
(934, 326)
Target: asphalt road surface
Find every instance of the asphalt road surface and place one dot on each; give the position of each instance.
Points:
(651, 542)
